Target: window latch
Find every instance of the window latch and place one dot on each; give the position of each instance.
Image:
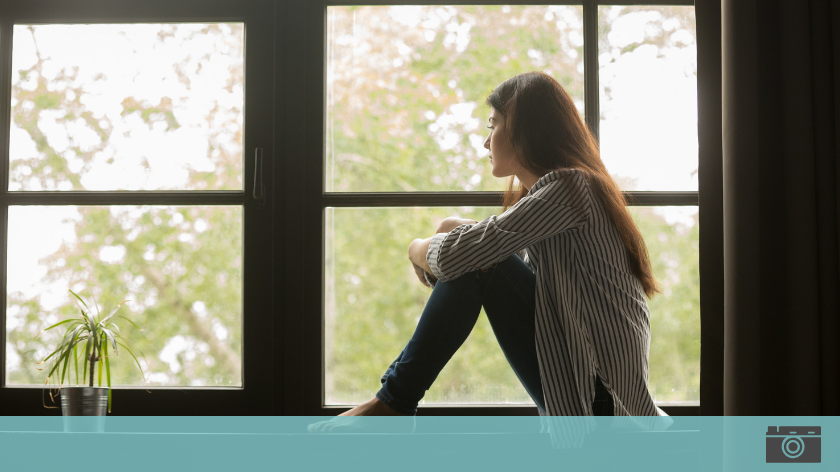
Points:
(259, 186)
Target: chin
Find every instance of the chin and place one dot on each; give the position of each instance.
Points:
(498, 173)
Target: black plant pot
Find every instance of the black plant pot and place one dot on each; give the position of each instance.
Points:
(84, 408)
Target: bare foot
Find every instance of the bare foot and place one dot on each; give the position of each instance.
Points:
(359, 420)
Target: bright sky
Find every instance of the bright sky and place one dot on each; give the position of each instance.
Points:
(138, 65)
(649, 128)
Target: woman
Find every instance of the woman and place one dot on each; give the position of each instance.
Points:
(562, 274)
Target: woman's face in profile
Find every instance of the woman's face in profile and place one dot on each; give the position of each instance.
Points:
(502, 156)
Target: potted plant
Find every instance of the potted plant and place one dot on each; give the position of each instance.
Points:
(94, 334)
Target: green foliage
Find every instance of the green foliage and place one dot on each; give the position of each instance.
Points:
(675, 313)
(150, 114)
(373, 303)
(96, 332)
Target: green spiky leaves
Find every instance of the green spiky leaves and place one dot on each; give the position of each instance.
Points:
(96, 333)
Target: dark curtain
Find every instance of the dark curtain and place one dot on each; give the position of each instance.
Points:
(781, 144)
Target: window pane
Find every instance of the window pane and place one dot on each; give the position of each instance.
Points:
(179, 267)
(127, 107)
(373, 302)
(406, 87)
(648, 79)
(673, 241)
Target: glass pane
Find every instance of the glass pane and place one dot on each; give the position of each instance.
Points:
(179, 267)
(648, 79)
(672, 235)
(127, 107)
(406, 87)
(373, 302)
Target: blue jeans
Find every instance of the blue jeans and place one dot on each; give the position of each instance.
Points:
(507, 292)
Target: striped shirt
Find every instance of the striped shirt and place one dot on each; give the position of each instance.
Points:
(592, 317)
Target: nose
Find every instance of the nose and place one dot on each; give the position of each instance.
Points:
(487, 142)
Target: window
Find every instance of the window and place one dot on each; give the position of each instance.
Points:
(403, 148)
(128, 169)
(130, 173)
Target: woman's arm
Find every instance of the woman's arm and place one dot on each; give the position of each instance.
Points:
(419, 247)
(533, 218)
(417, 253)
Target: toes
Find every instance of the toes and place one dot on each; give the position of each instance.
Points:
(340, 424)
(317, 427)
(363, 424)
(331, 425)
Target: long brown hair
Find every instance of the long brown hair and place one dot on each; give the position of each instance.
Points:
(547, 133)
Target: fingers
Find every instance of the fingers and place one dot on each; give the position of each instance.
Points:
(421, 274)
(422, 279)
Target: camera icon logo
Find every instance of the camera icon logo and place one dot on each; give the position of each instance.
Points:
(796, 444)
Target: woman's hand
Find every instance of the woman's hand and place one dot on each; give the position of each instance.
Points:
(448, 224)
(421, 274)
(419, 247)
(417, 253)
